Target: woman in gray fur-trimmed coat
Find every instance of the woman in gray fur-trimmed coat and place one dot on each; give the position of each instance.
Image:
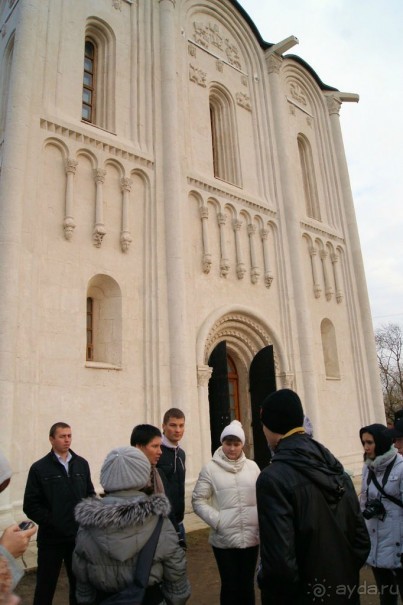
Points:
(113, 530)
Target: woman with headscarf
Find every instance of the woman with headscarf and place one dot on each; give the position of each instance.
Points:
(225, 498)
(114, 529)
(382, 506)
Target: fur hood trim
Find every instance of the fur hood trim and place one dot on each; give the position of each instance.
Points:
(93, 512)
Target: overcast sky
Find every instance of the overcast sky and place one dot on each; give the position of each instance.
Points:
(355, 46)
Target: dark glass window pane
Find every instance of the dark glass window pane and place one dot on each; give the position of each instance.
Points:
(89, 49)
(87, 96)
(86, 113)
(87, 79)
(88, 65)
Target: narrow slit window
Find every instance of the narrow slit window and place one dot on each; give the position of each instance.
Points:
(90, 329)
(88, 104)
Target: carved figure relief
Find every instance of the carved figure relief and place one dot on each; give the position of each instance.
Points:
(298, 93)
(209, 34)
(198, 76)
(243, 100)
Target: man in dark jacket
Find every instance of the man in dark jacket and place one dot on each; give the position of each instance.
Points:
(55, 484)
(313, 538)
(171, 466)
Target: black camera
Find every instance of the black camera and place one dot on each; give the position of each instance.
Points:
(374, 508)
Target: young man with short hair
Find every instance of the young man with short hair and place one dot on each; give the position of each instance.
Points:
(55, 484)
(172, 465)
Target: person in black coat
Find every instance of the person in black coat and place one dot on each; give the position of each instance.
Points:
(313, 537)
(56, 483)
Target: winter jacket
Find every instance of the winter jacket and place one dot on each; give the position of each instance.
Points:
(172, 469)
(112, 532)
(224, 497)
(313, 538)
(387, 535)
(51, 495)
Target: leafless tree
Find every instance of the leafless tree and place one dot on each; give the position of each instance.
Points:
(389, 346)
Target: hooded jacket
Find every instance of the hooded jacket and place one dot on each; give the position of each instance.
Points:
(387, 534)
(312, 534)
(112, 531)
(225, 498)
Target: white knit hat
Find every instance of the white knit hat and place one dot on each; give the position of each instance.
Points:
(125, 468)
(5, 469)
(234, 429)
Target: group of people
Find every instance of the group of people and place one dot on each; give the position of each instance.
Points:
(297, 526)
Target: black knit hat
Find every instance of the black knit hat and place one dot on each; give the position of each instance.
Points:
(383, 442)
(282, 411)
(397, 430)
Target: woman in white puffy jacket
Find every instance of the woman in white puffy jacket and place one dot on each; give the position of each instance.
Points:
(225, 498)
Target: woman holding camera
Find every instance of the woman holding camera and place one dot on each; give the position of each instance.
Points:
(382, 506)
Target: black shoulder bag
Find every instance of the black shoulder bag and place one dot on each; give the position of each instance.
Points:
(372, 477)
(135, 593)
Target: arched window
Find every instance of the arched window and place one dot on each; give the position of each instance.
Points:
(224, 137)
(104, 322)
(329, 346)
(308, 178)
(89, 82)
(5, 73)
(98, 93)
(233, 389)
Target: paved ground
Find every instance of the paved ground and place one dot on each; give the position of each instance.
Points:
(203, 577)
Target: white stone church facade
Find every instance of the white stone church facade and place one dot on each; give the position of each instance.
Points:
(176, 229)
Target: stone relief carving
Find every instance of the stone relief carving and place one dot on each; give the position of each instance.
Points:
(298, 93)
(274, 63)
(192, 50)
(243, 100)
(198, 76)
(99, 227)
(219, 65)
(203, 375)
(244, 81)
(69, 224)
(117, 4)
(209, 34)
(333, 104)
(125, 236)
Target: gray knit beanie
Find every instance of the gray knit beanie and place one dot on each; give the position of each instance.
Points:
(125, 468)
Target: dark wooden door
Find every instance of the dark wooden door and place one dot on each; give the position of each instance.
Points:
(262, 381)
(218, 392)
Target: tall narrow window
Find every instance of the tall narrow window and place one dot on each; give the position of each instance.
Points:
(308, 178)
(98, 92)
(90, 329)
(5, 73)
(88, 108)
(224, 137)
(233, 389)
(329, 346)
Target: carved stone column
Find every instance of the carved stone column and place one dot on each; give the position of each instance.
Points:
(268, 275)
(125, 237)
(206, 262)
(99, 228)
(317, 290)
(374, 391)
(328, 285)
(240, 265)
(335, 264)
(224, 262)
(203, 376)
(255, 271)
(68, 224)
(299, 315)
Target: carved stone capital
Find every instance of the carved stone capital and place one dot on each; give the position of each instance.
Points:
(98, 234)
(236, 224)
(323, 254)
(99, 175)
(71, 165)
(264, 234)
(224, 267)
(286, 380)
(240, 270)
(317, 290)
(68, 226)
(251, 229)
(222, 218)
(125, 241)
(255, 274)
(203, 375)
(333, 104)
(312, 251)
(268, 279)
(203, 212)
(334, 257)
(207, 261)
(117, 4)
(274, 63)
(126, 184)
